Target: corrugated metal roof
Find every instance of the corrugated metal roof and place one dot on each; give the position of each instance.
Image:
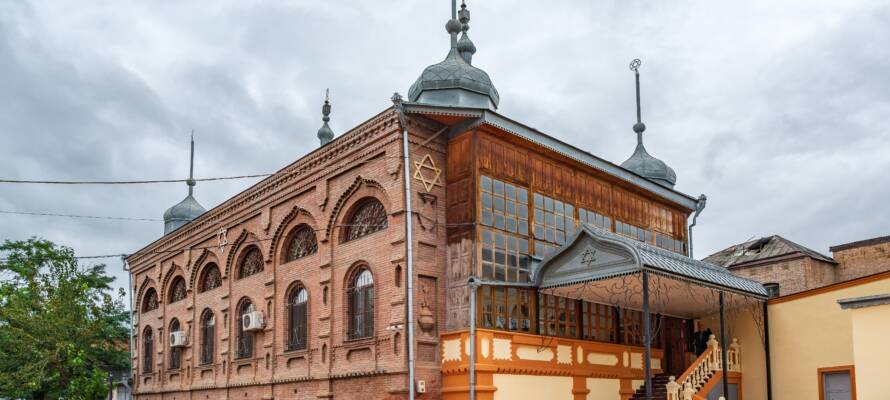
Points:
(761, 249)
(667, 262)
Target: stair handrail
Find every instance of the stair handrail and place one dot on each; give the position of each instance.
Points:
(697, 374)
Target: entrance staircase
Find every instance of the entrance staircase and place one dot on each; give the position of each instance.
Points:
(659, 389)
(688, 385)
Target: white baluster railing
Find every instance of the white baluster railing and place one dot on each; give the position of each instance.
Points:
(701, 370)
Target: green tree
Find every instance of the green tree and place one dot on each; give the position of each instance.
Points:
(61, 329)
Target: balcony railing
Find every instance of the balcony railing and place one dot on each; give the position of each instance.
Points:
(705, 368)
(544, 355)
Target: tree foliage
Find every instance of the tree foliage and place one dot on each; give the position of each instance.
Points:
(61, 330)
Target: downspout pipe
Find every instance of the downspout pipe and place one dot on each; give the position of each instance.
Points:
(409, 239)
(769, 374)
(126, 268)
(699, 207)
(473, 284)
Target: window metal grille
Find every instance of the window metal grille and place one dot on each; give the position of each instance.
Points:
(298, 319)
(211, 278)
(177, 291)
(251, 263)
(302, 243)
(370, 217)
(361, 300)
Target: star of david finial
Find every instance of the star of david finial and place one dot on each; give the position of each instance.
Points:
(425, 167)
(588, 257)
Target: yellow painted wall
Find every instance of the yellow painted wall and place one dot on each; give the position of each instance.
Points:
(603, 389)
(810, 333)
(871, 351)
(532, 387)
(741, 325)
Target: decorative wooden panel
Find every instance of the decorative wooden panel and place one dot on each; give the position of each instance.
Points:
(631, 208)
(662, 219)
(459, 180)
(593, 194)
(502, 159)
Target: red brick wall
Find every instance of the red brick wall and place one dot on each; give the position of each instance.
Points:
(864, 260)
(318, 190)
(795, 275)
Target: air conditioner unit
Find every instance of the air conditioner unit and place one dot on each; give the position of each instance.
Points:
(178, 339)
(253, 321)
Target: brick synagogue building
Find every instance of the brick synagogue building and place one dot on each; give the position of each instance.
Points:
(437, 250)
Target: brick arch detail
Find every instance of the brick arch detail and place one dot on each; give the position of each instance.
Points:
(168, 277)
(237, 247)
(295, 217)
(146, 284)
(195, 267)
(359, 189)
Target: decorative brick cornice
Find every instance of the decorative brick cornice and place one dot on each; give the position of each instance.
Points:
(355, 139)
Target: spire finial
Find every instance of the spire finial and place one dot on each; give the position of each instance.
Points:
(465, 46)
(639, 127)
(325, 134)
(191, 181)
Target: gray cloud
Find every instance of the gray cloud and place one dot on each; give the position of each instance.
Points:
(775, 110)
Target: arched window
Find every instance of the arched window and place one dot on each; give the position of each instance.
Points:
(251, 262)
(302, 243)
(210, 278)
(208, 325)
(175, 352)
(177, 290)
(298, 319)
(361, 305)
(244, 340)
(151, 300)
(369, 217)
(147, 350)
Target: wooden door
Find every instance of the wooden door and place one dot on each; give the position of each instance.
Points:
(675, 346)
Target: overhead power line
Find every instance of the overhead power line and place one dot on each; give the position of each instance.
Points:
(79, 216)
(136, 182)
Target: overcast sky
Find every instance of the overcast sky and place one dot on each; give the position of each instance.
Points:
(777, 110)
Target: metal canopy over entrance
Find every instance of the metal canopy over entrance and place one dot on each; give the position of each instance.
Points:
(600, 266)
(594, 254)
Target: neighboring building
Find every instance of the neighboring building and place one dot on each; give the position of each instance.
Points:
(824, 344)
(862, 258)
(786, 267)
(783, 266)
(536, 265)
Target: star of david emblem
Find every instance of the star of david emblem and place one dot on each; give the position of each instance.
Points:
(588, 257)
(426, 172)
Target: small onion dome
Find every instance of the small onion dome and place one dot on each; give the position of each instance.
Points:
(643, 164)
(453, 73)
(325, 134)
(455, 81)
(466, 48)
(180, 214)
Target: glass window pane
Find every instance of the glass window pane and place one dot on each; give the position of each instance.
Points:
(498, 187)
(485, 183)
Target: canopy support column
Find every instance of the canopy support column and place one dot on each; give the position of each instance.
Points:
(647, 334)
(723, 345)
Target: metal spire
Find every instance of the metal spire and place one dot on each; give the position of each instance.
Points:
(453, 26)
(325, 134)
(191, 181)
(639, 127)
(465, 46)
